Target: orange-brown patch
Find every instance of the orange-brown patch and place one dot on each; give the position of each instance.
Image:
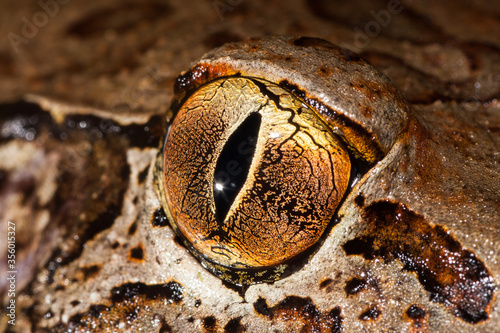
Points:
(451, 274)
(303, 311)
(198, 75)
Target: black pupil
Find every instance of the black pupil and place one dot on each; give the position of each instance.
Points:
(233, 165)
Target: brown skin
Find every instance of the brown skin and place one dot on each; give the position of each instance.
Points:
(385, 104)
(443, 56)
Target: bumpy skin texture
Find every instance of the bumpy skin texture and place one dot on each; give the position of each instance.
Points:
(344, 89)
(388, 223)
(416, 247)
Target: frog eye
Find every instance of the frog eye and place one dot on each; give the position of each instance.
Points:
(253, 169)
(252, 175)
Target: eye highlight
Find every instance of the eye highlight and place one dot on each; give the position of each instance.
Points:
(252, 175)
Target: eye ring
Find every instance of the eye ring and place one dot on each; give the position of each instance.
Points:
(300, 164)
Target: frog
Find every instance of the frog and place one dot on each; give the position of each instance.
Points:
(413, 245)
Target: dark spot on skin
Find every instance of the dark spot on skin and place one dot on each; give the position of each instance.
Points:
(172, 292)
(137, 253)
(76, 318)
(115, 245)
(354, 286)
(358, 246)
(197, 303)
(159, 218)
(75, 302)
(261, 307)
(90, 272)
(128, 303)
(138, 135)
(234, 326)
(418, 317)
(165, 328)
(106, 219)
(359, 200)
(143, 174)
(190, 320)
(302, 310)
(325, 71)
(370, 314)
(415, 312)
(336, 320)
(209, 323)
(132, 229)
(95, 310)
(367, 111)
(59, 287)
(325, 283)
(451, 274)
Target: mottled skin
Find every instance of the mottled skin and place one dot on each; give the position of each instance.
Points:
(95, 253)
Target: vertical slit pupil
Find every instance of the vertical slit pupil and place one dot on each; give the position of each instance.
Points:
(231, 170)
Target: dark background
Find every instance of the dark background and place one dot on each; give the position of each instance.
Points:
(124, 55)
